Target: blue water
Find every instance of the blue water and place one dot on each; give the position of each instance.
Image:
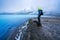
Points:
(11, 21)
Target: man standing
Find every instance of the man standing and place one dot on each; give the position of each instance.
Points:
(40, 12)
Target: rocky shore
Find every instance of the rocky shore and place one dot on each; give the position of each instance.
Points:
(50, 30)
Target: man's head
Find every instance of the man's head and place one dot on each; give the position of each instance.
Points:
(39, 8)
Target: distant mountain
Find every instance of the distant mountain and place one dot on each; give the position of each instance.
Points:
(17, 13)
(32, 13)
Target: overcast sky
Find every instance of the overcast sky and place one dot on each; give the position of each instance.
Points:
(17, 5)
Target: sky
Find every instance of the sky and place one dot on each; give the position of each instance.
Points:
(18, 5)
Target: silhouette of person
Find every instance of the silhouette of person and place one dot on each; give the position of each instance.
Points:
(40, 12)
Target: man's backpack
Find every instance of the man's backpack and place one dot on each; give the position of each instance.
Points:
(40, 12)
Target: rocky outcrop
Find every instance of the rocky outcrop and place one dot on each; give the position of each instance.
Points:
(48, 30)
(33, 32)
